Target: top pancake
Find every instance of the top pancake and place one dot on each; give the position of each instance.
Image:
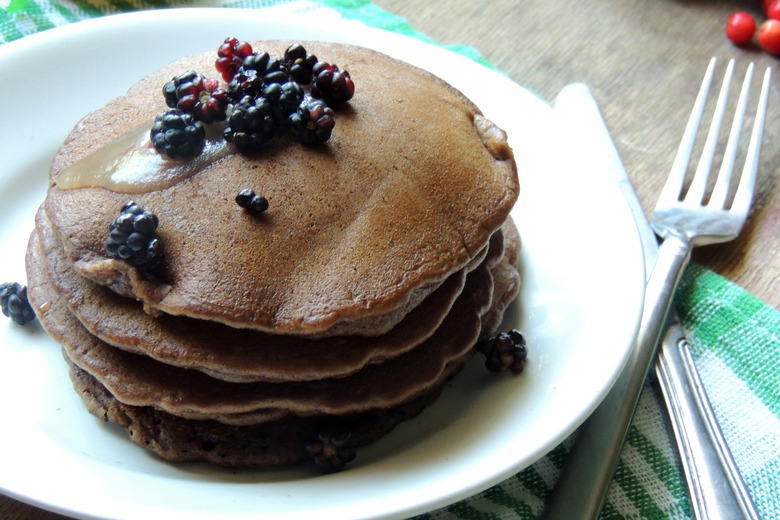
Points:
(409, 188)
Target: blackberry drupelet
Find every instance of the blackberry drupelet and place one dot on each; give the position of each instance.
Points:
(506, 351)
(230, 57)
(197, 95)
(254, 204)
(313, 121)
(331, 452)
(14, 303)
(251, 123)
(133, 237)
(299, 63)
(331, 83)
(177, 134)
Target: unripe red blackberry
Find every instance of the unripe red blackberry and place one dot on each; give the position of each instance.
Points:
(230, 57)
(331, 83)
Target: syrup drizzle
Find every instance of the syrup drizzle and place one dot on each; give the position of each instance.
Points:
(130, 164)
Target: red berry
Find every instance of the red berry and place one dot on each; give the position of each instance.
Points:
(740, 28)
(773, 9)
(769, 36)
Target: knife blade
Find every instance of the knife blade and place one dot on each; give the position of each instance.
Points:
(582, 488)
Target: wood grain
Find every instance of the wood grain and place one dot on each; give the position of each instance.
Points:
(644, 61)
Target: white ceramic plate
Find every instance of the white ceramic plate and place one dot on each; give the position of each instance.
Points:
(579, 305)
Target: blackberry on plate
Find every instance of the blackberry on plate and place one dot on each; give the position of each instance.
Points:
(133, 237)
(313, 121)
(299, 63)
(332, 452)
(14, 303)
(331, 83)
(197, 95)
(505, 351)
(251, 123)
(254, 204)
(230, 57)
(177, 134)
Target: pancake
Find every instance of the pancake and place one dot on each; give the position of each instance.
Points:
(407, 191)
(141, 381)
(238, 355)
(259, 445)
(386, 254)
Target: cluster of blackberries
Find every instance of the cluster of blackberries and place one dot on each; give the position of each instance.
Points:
(263, 94)
(133, 237)
(505, 351)
(331, 452)
(14, 303)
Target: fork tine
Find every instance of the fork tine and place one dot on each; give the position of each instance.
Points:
(698, 186)
(744, 195)
(718, 198)
(673, 186)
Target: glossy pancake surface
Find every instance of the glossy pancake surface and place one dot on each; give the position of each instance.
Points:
(407, 191)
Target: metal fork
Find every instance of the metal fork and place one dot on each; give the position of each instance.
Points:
(685, 219)
(582, 488)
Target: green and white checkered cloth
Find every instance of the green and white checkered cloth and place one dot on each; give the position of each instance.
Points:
(734, 336)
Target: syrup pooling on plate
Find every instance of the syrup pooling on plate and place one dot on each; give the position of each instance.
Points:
(130, 164)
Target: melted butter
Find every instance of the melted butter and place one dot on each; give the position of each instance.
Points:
(130, 164)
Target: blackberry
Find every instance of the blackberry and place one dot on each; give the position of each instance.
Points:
(284, 99)
(299, 64)
(251, 123)
(230, 57)
(246, 82)
(177, 134)
(250, 201)
(14, 303)
(331, 452)
(331, 83)
(258, 71)
(133, 237)
(196, 95)
(270, 69)
(313, 121)
(506, 351)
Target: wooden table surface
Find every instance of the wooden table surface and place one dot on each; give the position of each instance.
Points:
(643, 61)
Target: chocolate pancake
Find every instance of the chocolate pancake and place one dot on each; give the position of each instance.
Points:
(239, 355)
(407, 191)
(267, 444)
(140, 381)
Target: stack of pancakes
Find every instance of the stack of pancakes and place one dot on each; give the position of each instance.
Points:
(385, 255)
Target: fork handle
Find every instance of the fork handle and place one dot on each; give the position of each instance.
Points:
(715, 493)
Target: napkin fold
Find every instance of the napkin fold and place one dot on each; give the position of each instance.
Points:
(735, 337)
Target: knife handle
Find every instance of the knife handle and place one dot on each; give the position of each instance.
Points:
(717, 490)
(582, 488)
